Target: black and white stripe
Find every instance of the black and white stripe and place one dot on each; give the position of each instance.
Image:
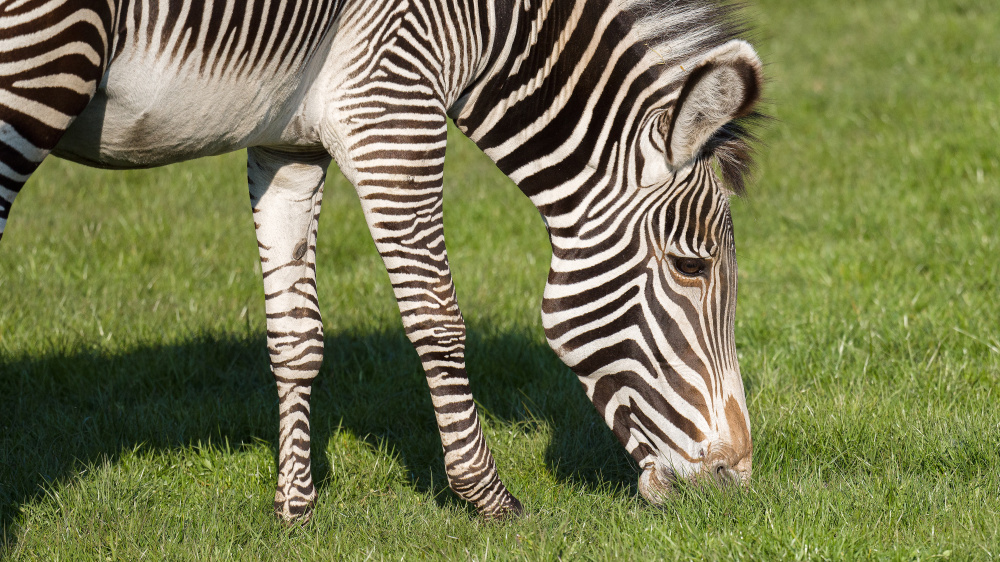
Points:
(52, 55)
(610, 118)
(608, 115)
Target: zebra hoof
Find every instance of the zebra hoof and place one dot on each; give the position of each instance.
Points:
(293, 515)
(293, 511)
(505, 509)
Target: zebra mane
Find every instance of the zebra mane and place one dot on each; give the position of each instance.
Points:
(680, 32)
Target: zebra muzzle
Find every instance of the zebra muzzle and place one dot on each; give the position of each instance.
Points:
(655, 484)
(725, 466)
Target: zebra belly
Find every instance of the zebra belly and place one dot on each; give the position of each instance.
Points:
(143, 117)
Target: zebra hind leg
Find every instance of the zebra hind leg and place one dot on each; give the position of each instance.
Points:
(50, 63)
(285, 193)
(22, 149)
(19, 158)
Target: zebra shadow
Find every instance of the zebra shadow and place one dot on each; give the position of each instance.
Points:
(517, 381)
(65, 411)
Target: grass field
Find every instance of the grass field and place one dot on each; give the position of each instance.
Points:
(138, 417)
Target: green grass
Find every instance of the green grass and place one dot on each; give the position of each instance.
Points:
(138, 418)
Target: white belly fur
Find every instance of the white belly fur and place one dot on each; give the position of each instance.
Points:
(146, 115)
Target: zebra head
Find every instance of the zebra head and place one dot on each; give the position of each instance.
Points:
(641, 295)
(614, 122)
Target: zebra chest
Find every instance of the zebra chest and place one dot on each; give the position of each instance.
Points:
(142, 117)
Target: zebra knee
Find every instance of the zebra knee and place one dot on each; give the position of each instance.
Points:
(296, 356)
(436, 334)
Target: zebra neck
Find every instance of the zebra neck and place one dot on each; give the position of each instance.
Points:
(549, 110)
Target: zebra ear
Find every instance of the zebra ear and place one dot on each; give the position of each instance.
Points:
(725, 85)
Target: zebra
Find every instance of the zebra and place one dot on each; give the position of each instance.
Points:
(626, 122)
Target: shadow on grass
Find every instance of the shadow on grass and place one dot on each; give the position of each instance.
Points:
(66, 409)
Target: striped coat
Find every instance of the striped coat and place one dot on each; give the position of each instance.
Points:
(623, 121)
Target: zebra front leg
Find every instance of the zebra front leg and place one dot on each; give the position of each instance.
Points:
(285, 193)
(404, 215)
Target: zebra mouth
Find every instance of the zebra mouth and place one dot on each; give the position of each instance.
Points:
(656, 484)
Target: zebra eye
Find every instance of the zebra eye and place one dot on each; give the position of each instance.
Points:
(692, 267)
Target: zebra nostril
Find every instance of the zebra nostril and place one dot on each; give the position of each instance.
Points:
(724, 474)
